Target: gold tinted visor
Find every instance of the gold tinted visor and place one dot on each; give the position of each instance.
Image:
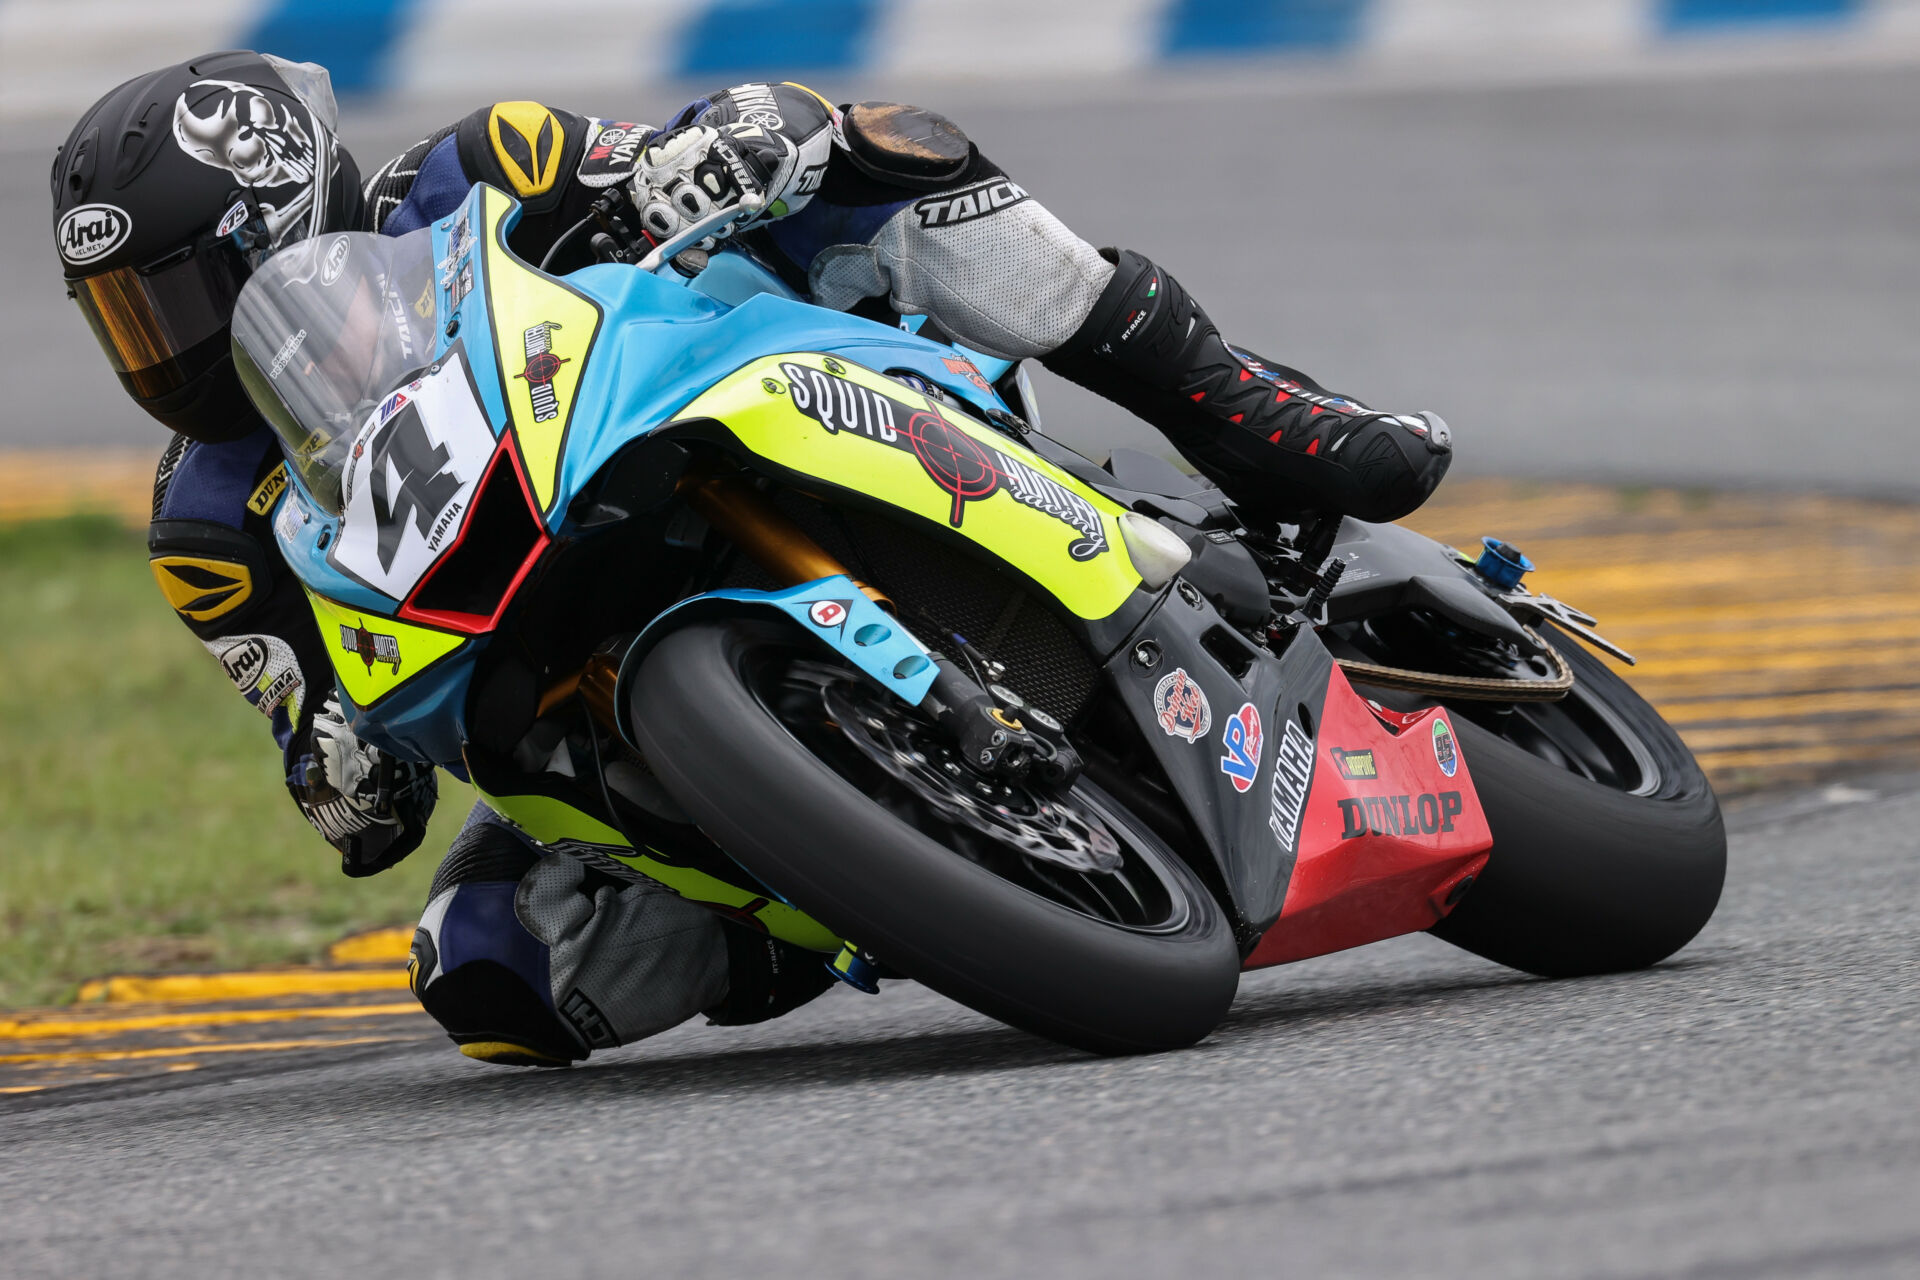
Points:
(145, 320)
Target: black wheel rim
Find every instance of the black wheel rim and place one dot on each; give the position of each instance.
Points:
(1138, 894)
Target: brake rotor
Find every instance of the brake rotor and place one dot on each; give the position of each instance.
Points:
(911, 752)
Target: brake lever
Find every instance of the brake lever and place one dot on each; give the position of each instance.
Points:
(664, 252)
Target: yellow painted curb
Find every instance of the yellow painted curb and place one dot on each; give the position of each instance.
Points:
(211, 987)
(38, 484)
(74, 1028)
(373, 947)
(184, 1050)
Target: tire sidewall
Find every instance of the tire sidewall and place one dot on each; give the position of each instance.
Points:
(870, 876)
(1583, 878)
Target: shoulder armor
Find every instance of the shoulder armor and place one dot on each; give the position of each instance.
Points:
(524, 148)
(212, 575)
(907, 146)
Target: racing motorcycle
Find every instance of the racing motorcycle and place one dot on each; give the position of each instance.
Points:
(799, 615)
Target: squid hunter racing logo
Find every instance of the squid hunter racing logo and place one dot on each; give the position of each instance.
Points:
(966, 469)
(542, 367)
(371, 646)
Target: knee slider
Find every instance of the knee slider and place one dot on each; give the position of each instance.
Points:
(477, 972)
(908, 146)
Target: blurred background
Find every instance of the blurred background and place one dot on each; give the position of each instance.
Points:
(1657, 261)
(1644, 240)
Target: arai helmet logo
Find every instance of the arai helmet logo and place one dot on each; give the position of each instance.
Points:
(92, 231)
(336, 259)
(1445, 753)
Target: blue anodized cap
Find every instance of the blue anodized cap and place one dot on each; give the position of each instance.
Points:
(1501, 563)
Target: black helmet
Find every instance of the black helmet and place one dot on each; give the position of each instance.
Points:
(168, 193)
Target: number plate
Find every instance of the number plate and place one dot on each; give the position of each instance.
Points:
(410, 480)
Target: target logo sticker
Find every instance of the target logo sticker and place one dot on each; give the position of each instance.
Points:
(827, 614)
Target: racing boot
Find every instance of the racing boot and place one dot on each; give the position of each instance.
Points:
(1274, 440)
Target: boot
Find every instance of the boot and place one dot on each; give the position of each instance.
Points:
(1275, 441)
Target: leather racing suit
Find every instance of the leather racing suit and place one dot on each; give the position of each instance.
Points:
(530, 958)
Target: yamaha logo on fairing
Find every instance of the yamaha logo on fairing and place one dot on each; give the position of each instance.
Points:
(1292, 777)
(975, 202)
(92, 231)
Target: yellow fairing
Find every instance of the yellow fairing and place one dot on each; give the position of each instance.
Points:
(549, 821)
(544, 330)
(373, 656)
(823, 417)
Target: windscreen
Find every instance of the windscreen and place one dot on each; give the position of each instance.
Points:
(323, 331)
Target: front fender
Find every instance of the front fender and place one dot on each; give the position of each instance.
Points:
(832, 610)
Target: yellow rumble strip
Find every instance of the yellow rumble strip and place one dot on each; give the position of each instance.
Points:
(126, 1027)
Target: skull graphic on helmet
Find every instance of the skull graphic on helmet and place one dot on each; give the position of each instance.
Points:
(263, 143)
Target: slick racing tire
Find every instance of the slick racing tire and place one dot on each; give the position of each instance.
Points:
(731, 718)
(1608, 847)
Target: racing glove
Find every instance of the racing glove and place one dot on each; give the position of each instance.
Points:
(687, 175)
(371, 806)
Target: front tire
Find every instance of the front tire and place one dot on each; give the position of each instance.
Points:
(707, 707)
(1607, 855)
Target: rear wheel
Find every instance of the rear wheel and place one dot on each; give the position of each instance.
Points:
(1608, 848)
(1063, 915)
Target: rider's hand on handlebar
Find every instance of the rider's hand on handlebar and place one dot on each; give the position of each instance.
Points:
(689, 175)
(370, 806)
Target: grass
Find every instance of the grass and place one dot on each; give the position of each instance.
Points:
(143, 822)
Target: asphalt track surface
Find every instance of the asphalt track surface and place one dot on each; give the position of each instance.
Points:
(1707, 278)
(1746, 1110)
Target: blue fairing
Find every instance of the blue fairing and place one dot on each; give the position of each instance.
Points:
(661, 343)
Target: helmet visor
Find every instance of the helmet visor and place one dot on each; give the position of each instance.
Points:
(145, 319)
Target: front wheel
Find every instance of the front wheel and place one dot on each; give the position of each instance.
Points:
(1062, 915)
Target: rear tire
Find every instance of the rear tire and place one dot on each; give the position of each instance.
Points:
(1584, 877)
(708, 727)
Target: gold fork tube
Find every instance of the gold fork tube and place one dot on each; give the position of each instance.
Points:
(764, 532)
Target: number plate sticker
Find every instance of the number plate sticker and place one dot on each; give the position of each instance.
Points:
(410, 480)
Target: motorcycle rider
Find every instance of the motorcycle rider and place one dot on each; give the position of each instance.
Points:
(174, 186)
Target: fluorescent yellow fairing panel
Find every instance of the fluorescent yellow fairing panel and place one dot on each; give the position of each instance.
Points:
(372, 656)
(858, 430)
(554, 822)
(544, 330)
